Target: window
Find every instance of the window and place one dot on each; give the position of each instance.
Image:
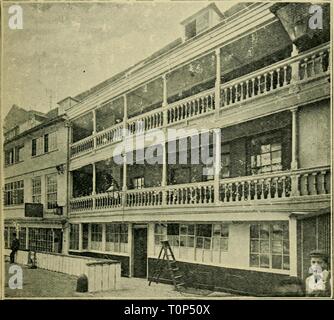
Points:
(96, 237)
(117, 237)
(6, 235)
(225, 161)
(269, 245)
(51, 191)
(138, 183)
(194, 242)
(266, 153)
(14, 155)
(74, 237)
(50, 142)
(190, 29)
(14, 193)
(36, 190)
(44, 144)
(9, 157)
(19, 154)
(33, 147)
(22, 238)
(40, 239)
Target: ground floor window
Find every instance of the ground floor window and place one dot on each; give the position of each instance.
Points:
(117, 237)
(269, 245)
(194, 242)
(22, 236)
(74, 237)
(40, 239)
(6, 236)
(96, 237)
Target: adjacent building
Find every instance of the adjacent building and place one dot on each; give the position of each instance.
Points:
(35, 179)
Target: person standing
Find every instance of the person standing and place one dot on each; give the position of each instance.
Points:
(318, 283)
(15, 245)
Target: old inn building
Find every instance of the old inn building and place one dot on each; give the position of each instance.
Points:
(259, 75)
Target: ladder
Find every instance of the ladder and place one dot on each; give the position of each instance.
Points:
(166, 254)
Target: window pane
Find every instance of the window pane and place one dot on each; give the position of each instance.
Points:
(264, 231)
(224, 244)
(207, 243)
(254, 231)
(264, 261)
(173, 229)
(286, 263)
(255, 248)
(264, 246)
(199, 242)
(276, 157)
(286, 247)
(277, 231)
(277, 262)
(277, 247)
(254, 260)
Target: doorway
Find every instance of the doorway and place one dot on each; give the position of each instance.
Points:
(140, 252)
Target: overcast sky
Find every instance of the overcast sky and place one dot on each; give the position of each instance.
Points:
(64, 49)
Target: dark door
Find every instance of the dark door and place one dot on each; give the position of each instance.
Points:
(140, 252)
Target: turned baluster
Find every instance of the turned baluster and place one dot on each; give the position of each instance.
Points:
(271, 80)
(305, 68)
(225, 101)
(285, 75)
(262, 196)
(276, 188)
(278, 71)
(322, 183)
(253, 87)
(283, 187)
(312, 71)
(242, 191)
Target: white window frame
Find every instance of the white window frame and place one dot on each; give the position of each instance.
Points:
(36, 189)
(51, 190)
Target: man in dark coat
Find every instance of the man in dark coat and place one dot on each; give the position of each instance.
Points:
(14, 247)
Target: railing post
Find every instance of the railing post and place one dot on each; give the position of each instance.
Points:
(103, 237)
(80, 236)
(218, 81)
(294, 147)
(94, 129)
(94, 184)
(293, 245)
(217, 164)
(294, 70)
(164, 143)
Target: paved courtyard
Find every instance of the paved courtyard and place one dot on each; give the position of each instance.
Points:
(44, 283)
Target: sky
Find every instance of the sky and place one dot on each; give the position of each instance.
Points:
(67, 48)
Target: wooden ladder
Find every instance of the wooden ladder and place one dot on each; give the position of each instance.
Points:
(166, 254)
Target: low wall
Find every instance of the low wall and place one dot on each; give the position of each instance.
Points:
(102, 274)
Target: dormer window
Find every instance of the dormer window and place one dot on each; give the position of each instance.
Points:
(201, 21)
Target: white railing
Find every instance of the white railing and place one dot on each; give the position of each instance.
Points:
(259, 187)
(147, 197)
(282, 74)
(191, 107)
(314, 181)
(190, 194)
(314, 63)
(109, 135)
(108, 200)
(274, 185)
(79, 204)
(84, 145)
(148, 121)
(275, 76)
